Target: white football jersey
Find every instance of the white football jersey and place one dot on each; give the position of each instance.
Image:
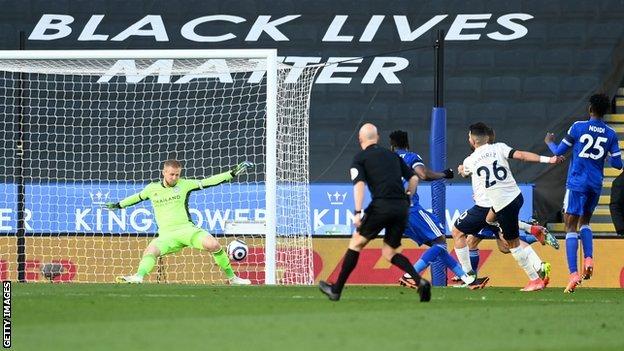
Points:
(488, 166)
(478, 191)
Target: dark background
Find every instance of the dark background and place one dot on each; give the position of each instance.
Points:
(522, 87)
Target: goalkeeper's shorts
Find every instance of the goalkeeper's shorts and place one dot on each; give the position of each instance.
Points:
(173, 240)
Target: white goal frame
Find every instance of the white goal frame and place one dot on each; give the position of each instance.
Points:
(270, 55)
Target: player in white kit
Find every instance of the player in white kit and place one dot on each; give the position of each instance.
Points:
(488, 164)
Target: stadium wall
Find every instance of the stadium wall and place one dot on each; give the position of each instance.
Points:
(524, 67)
(372, 268)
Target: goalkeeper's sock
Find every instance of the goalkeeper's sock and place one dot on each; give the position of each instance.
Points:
(146, 265)
(224, 262)
(586, 239)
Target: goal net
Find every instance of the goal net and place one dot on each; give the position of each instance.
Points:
(82, 128)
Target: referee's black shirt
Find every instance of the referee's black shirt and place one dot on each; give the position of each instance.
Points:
(382, 170)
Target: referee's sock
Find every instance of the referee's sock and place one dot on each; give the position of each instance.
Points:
(348, 265)
(402, 262)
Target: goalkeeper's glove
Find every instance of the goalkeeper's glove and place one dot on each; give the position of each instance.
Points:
(112, 205)
(241, 168)
(448, 173)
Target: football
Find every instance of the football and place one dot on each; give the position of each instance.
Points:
(237, 250)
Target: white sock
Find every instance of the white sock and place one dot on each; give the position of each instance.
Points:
(521, 256)
(463, 255)
(534, 259)
(525, 226)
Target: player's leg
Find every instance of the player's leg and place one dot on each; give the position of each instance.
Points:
(507, 217)
(573, 207)
(370, 226)
(533, 232)
(473, 247)
(471, 221)
(202, 240)
(586, 234)
(148, 261)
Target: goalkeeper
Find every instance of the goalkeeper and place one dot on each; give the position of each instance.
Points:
(176, 231)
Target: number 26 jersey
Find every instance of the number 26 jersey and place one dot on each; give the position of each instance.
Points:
(488, 166)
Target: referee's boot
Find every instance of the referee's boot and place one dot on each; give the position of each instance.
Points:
(328, 290)
(424, 290)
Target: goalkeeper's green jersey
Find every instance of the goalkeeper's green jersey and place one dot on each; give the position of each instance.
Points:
(171, 203)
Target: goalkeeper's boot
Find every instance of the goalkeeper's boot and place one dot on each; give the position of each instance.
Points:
(407, 281)
(130, 279)
(544, 273)
(328, 290)
(236, 280)
(575, 280)
(588, 268)
(534, 285)
(424, 290)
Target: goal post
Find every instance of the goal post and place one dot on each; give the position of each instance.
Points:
(96, 127)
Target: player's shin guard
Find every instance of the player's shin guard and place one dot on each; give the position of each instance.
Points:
(521, 256)
(533, 258)
(146, 265)
(571, 251)
(348, 265)
(587, 240)
(463, 256)
(474, 260)
(222, 260)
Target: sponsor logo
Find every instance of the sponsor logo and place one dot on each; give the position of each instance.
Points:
(99, 198)
(336, 198)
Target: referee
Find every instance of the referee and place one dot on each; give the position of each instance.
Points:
(382, 170)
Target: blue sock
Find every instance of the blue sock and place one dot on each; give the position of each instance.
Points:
(428, 257)
(474, 260)
(527, 238)
(451, 263)
(586, 239)
(571, 251)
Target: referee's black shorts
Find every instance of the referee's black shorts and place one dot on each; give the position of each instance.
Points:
(388, 214)
(507, 218)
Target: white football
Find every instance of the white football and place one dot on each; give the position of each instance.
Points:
(237, 250)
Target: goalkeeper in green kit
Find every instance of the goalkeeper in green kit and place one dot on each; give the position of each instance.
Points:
(176, 231)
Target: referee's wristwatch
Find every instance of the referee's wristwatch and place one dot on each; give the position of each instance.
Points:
(357, 211)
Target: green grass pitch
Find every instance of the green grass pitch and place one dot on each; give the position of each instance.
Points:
(191, 317)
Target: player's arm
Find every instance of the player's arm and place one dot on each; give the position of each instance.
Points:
(129, 201)
(615, 155)
(425, 173)
(411, 177)
(527, 156)
(222, 177)
(565, 144)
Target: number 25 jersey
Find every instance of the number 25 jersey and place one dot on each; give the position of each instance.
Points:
(488, 165)
(591, 141)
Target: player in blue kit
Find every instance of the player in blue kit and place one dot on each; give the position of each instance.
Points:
(590, 141)
(423, 226)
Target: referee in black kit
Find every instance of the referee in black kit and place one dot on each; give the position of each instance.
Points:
(382, 170)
